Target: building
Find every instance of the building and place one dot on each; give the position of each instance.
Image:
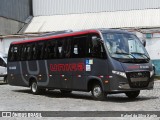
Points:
(139, 16)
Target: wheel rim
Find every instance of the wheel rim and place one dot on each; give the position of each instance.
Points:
(97, 91)
(34, 87)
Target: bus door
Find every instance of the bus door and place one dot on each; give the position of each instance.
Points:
(96, 63)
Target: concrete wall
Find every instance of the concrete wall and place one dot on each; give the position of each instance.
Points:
(8, 26)
(14, 15)
(54, 7)
(18, 10)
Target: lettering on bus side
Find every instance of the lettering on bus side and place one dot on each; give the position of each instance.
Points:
(12, 68)
(67, 67)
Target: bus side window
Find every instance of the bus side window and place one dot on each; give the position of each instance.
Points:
(67, 48)
(39, 50)
(95, 47)
(60, 48)
(43, 45)
(50, 50)
(19, 52)
(78, 50)
(25, 52)
(13, 53)
(75, 50)
(33, 53)
(28, 51)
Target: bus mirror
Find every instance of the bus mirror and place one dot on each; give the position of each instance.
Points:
(144, 42)
(95, 38)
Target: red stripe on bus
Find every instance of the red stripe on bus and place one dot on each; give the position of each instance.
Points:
(56, 36)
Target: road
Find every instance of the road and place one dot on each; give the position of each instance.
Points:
(13, 98)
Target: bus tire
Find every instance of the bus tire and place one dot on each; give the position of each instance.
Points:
(132, 94)
(35, 89)
(66, 91)
(97, 92)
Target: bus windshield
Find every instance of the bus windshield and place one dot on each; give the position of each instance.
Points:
(125, 46)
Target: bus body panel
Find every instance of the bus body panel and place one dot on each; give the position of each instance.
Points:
(138, 77)
(63, 74)
(68, 71)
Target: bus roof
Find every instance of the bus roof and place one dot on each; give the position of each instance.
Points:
(61, 34)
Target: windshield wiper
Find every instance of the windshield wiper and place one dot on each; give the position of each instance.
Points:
(125, 53)
(141, 55)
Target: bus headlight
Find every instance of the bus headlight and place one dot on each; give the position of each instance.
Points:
(123, 74)
(151, 73)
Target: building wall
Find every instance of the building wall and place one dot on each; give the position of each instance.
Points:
(153, 49)
(121, 19)
(8, 26)
(18, 10)
(52, 7)
(14, 14)
(5, 41)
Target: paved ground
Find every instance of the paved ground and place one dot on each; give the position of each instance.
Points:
(14, 98)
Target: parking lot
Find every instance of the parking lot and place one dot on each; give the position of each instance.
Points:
(15, 98)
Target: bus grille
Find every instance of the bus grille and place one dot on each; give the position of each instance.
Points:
(138, 79)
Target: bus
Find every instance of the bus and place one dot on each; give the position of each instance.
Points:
(100, 61)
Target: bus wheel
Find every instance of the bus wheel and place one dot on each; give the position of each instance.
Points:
(97, 92)
(132, 94)
(34, 88)
(65, 91)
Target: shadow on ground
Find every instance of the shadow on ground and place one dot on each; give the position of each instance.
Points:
(118, 98)
(3, 83)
